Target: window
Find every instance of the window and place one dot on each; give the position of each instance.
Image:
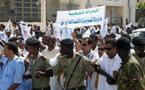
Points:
(34, 5)
(53, 15)
(18, 4)
(27, 14)
(26, 9)
(34, 10)
(19, 14)
(26, 0)
(19, 0)
(35, 15)
(35, 0)
(18, 9)
(26, 5)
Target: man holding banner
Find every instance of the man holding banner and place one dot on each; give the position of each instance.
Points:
(83, 17)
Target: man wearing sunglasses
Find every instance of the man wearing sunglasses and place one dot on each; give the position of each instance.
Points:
(101, 49)
(110, 63)
(92, 78)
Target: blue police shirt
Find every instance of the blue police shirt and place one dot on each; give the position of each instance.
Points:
(12, 73)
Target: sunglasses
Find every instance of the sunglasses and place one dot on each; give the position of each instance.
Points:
(101, 49)
(109, 48)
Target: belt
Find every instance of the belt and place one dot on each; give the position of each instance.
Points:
(48, 88)
(78, 88)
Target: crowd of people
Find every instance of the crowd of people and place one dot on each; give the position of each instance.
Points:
(58, 57)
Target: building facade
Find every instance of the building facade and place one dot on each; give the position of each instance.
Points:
(27, 10)
(118, 11)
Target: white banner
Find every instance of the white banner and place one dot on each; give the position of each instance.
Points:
(104, 28)
(82, 17)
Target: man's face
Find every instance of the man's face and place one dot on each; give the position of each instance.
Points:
(45, 40)
(94, 41)
(21, 44)
(101, 50)
(110, 50)
(8, 33)
(14, 25)
(6, 51)
(31, 49)
(139, 49)
(86, 47)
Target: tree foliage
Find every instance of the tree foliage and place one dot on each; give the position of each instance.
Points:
(141, 5)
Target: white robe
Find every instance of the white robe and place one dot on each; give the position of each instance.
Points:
(53, 80)
(52, 53)
(66, 32)
(108, 65)
(92, 56)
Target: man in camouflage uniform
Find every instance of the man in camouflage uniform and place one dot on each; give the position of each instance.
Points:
(139, 47)
(74, 77)
(130, 75)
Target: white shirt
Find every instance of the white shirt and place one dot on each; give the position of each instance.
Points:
(2, 35)
(117, 36)
(6, 38)
(93, 30)
(57, 31)
(66, 32)
(113, 29)
(92, 56)
(52, 53)
(53, 80)
(109, 66)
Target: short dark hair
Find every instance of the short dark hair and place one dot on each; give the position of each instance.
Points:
(33, 42)
(13, 47)
(95, 37)
(3, 26)
(52, 41)
(14, 40)
(112, 41)
(67, 42)
(123, 43)
(14, 22)
(127, 36)
(139, 41)
(89, 40)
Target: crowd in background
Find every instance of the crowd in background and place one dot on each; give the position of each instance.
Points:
(58, 57)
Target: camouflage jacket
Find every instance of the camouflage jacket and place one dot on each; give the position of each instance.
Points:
(141, 61)
(130, 76)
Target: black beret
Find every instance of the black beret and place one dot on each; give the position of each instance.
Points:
(139, 41)
(123, 43)
(13, 39)
(67, 42)
(33, 42)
